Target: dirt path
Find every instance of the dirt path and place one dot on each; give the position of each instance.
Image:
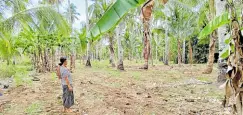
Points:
(101, 90)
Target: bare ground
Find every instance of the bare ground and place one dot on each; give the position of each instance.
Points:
(102, 90)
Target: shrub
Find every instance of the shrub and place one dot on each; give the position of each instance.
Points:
(22, 78)
(7, 71)
(34, 109)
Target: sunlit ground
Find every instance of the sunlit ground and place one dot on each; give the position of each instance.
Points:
(101, 90)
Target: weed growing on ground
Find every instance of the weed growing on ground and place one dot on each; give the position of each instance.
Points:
(205, 79)
(34, 109)
(7, 70)
(53, 76)
(136, 75)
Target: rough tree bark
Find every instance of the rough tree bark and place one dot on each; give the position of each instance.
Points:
(151, 51)
(88, 63)
(53, 59)
(146, 17)
(190, 52)
(213, 38)
(47, 59)
(40, 61)
(111, 47)
(179, 51)
(184, 51)
(212, 45)
(220, 8)
(167, 48)
(235, 61)
(72, 55)
(120, 50)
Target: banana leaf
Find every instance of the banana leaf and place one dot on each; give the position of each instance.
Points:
(112, 17)
(214, 24)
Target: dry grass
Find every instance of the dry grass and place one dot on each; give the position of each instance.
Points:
(104, 90)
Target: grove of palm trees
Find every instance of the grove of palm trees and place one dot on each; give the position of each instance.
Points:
(121, 57)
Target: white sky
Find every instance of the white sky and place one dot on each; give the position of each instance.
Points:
(80, 4)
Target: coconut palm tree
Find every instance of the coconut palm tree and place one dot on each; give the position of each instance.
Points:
(213, 39)
(88, 63)
(220, 7)
(72, 16)
(103, 25)
(111, 47)
(39, 20)
(120, 49)
(98, 8)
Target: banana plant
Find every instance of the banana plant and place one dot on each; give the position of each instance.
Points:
(37, 26)
(214, 24)
(112, 16)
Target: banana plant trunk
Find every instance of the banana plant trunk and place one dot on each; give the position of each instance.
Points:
(236, 58)
(220, 9)
(111, 47)
(120, 50)
(39, 60)
(47, 60)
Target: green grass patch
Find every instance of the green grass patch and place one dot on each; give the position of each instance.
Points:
(24, 67)
(19, 72)
(136, 75)
(215, 94)
(24, 60)
(22, 78)
(205, 79)
(100, 64)
(53, 76)
(7, 71)
(114, 73)
(34, 109)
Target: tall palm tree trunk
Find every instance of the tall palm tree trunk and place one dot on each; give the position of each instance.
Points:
(156, 48)
(146, 50)
(53, 59)
(167, 48)
(112, 55)
(220, 8)
(179, 51)
(184, 51)
(190, 52)
(146, 17)
(151, 51)
(212, 43)
(72, 56)
(88, 63)
(120, 50)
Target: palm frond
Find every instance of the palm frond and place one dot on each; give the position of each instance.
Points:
(30, 16)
